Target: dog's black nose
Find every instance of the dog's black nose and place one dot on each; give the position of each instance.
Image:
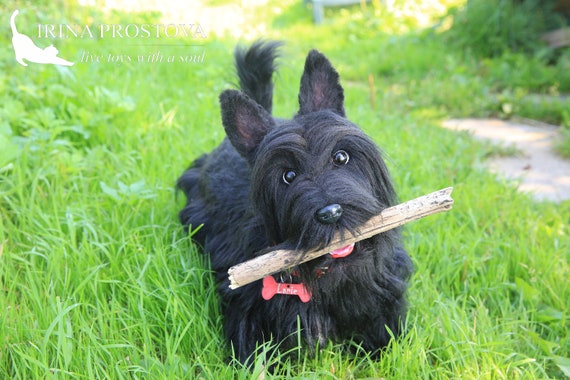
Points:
(329, 214)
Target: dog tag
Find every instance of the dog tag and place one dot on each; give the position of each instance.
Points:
(272, 287)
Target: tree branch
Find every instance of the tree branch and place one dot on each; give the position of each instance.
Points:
(392, 217)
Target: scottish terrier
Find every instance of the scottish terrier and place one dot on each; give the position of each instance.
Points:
(294, 184)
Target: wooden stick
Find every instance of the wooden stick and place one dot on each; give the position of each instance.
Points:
(392, 217)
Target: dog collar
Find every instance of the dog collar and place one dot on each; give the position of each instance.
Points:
(271, 287)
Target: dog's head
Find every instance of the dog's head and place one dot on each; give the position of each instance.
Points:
(315, 174)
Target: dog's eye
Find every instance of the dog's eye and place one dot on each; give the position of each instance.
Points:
(340, 158)
(289, 176)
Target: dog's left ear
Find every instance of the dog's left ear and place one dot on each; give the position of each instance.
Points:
(246, 122)
(320, 87)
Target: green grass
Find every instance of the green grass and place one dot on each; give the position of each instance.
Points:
(97, 279)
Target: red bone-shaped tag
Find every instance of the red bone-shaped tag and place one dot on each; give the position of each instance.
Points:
(272, 287)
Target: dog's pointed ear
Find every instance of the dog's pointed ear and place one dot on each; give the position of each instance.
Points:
(246, 122)
(320, 87)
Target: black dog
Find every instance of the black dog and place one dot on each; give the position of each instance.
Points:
(294, 183)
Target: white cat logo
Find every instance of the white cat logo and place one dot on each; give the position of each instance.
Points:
(26, 49)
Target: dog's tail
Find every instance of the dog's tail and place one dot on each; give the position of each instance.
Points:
(255, 67)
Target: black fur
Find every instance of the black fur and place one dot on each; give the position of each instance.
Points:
(255, 67)
(238, 194)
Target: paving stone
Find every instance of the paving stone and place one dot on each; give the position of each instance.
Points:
(537, 169)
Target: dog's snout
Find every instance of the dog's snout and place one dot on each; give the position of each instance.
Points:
(329, 214)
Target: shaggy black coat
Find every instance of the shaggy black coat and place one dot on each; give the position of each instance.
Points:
(265, 184)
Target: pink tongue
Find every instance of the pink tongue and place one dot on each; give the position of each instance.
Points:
(342, 252)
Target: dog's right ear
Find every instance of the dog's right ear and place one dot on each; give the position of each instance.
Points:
(246, 122)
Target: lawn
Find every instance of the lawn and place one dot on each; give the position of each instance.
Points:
(98, 280)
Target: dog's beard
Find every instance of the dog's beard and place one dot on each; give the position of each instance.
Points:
(327, 274)
(311, 235)
(314, 235)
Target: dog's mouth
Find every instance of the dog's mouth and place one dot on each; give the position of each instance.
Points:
(342, 252)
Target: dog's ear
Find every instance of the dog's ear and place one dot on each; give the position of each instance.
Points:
(246, 122)
(320, 87)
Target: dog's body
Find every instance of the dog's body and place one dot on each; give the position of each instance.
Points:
(294, 183)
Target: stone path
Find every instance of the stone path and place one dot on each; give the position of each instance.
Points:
(538, 168)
